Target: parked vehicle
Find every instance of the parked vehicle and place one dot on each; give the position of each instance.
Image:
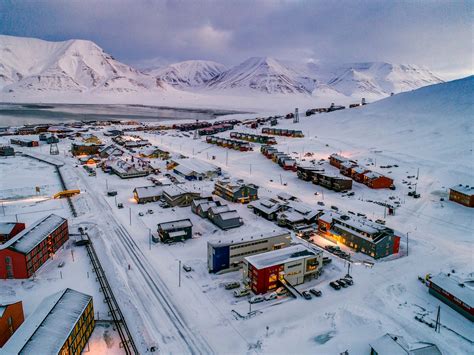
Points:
(317, 293)
(149, 211)
(257, 299)
(327, 260)
(241, 293)
(306, 295)
(231, 285)
(120, 205)
(342, 283)
(187, 268)
(271, 296)
(281, 291)
(112, 193)
(141, 214)
(334, 285)
(349, 281)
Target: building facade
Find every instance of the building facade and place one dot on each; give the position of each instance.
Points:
(175, 231)
(293, 265)
(9, 229)
(228, 255)
(363, 236)
(25, 253)
(236, 190)
(61, 324)
(463, 195)
(11, 317)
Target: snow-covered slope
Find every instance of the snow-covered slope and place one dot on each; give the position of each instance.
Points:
(74, 66)
(259, 73)
(188, 74)
(378, 78)
(433, 122)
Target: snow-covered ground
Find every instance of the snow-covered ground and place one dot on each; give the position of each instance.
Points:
(429, 129)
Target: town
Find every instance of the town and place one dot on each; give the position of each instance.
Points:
(248, 217)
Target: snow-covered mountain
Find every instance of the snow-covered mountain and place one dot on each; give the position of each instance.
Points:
(71, 66)
(378, 78)
(188, 74)
(260, 73)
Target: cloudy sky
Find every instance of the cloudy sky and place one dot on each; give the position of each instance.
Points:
(437, 34)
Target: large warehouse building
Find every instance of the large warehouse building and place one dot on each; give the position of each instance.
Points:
(294, 265)
(62, 324)
(22, 255)
(228, 255)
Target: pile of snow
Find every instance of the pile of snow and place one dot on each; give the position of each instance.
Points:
(71, 66)
(188, 74)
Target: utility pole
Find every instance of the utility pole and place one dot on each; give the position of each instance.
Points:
(407, 243)
(179, 273)
(106, 185)
(438, 320)
(250, 169)
(226, 158)
(115, 200)
(149, 236)
(130, 214)
(281, 180)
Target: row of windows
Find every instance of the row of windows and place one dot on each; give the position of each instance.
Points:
(251, 252)
(248, 244)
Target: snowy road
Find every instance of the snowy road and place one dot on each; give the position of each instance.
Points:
(149, 294)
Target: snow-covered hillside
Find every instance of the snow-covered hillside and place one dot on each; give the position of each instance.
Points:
(378, 78)
(71, 66)
(262, 74)
(188, 74)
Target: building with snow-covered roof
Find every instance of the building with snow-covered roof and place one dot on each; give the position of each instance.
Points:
(236, 190)
(179, 196)
(463, 194)
(6, 151)
(129, 168)
(174, 231)
(194, 169)
(228, 254)
(145, 194)
(455, 292)
(11, 317)
(390, 344)
(61, 324)
(225, 219)
(294, 265)
(9, 229)
(373, 239)
(375, 180)
(23, 254)
(268, 208)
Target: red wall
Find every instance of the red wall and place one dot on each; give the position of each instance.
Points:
(15, 311)
(17, 229)
(396, 245)
(18, 262)
(382, 182)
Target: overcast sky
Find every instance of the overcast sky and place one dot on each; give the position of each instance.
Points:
(437, 34)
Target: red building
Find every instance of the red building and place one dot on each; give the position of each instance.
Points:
(336, 160)
(294, 265)
(22, 255)
(358, 173)
(462, 194)
(9, 229)
(376, 181)
(11, 317)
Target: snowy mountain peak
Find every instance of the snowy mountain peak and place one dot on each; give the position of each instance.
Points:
(188, 74)
(73, 65)
(259, 73)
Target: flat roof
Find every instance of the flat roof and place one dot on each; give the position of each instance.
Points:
(48, 327)
(27, 239)
(7, 227)
(451, 284)
(194, 165)
(281, 256)
(248, 238)
(464, 189)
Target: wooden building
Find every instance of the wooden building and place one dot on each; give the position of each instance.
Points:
(236, 190)
(6, 151)
(85, 148)
(9, 229)
(61, 324)
(376, 180)
(23, 142)
(224, 217)
(174, 231)
(25, 253)
(462, 194)
(145, 194)
(363, 236)
(176, 196)
(453, 291)
(336, 160)
(332, 182)
(11, 317)
(267, 208)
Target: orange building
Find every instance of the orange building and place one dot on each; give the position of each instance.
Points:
(11, 317)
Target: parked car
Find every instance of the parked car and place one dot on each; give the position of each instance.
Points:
(149, 211)
(241, 293)
(257, 299)
(317, 293)
(187, 268)
(281, 291)
(320, 203)
(327, 260)
(306, 295)
(120, 205)
(348, 280)
(342, 283)
(231, 285)
(141, 214)
(334, 285)
(271, 296)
